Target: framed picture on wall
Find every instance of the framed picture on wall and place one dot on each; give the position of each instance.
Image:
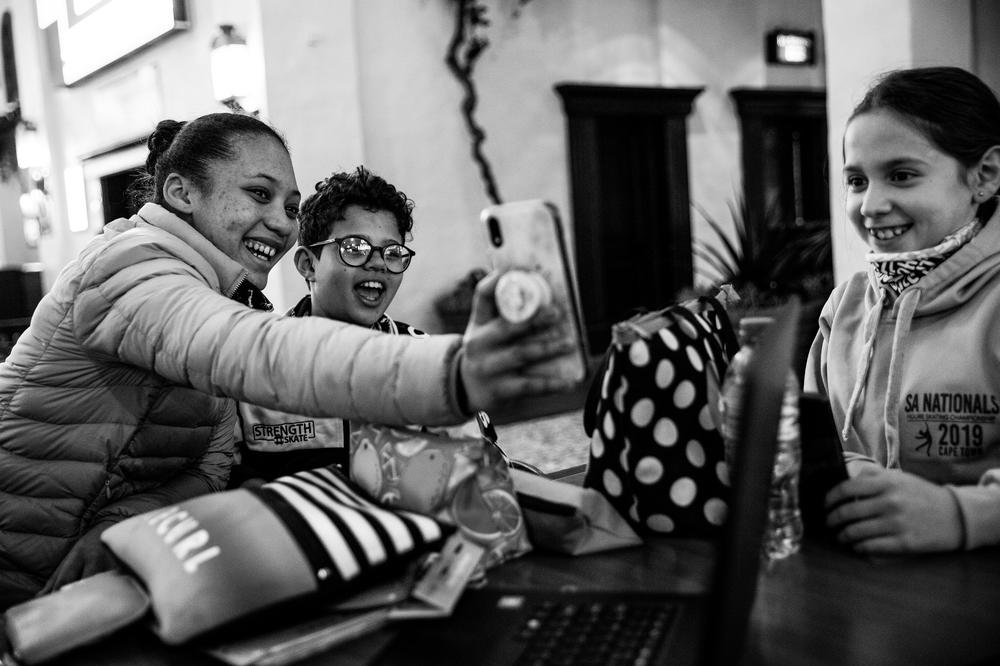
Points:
(88, 35)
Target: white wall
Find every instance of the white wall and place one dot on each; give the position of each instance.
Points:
(350, 82)
(364, 81)
(863, 39)
(413, 132)
(311, 74)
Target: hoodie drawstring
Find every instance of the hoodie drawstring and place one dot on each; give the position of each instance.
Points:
(907, 306)
(870, 328)
(908, 302)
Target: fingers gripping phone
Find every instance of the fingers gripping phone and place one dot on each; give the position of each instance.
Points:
(528, 235)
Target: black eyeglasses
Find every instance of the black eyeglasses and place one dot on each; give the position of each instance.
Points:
(356, 251)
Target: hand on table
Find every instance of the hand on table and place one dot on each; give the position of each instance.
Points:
(887, 512)
(88, 556)
(499, 354)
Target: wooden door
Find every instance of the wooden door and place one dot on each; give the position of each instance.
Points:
(630, 203)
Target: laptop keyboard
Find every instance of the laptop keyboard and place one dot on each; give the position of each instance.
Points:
(612, 632)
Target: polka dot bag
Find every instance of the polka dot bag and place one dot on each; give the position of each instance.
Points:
(652, 415)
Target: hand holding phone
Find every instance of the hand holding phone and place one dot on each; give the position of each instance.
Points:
(499, 358)
(525, 243)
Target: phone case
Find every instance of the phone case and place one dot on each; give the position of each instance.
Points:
(528, 235)
(77, 614)
(822, 461)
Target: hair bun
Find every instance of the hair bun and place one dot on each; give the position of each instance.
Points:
(159, 141)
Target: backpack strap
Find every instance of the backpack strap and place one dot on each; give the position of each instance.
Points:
(729, 339)
(594, 393)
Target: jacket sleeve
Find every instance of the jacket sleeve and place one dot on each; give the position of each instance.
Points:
(145, 305)
(209, 473)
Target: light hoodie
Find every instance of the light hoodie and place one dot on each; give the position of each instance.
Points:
(926, 370)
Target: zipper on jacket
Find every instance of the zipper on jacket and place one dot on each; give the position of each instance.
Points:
(236, 285)
(107, 487)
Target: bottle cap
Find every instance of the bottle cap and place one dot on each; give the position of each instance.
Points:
(751, 327)
(519, 295)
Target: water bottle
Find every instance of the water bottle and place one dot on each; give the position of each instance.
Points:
(783, 535)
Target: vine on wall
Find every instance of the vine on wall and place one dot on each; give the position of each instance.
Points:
(468, 41)
(466, 46)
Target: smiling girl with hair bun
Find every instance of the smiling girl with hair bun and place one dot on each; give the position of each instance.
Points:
(120, 397)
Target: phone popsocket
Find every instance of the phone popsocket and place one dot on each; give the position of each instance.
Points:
(519, 295)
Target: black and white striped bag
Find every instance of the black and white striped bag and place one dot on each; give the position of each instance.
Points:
(311, 535)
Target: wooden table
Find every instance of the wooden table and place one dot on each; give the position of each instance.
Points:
(826, 605)
(821, 606)
(829, 607)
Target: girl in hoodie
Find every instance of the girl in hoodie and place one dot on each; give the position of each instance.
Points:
(908, 351)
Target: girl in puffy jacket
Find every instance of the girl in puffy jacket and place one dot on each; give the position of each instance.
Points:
(120, 396)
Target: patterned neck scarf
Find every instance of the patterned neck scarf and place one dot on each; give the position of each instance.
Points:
(896, 271)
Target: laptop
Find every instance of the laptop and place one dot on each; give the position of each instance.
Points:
(546, 625)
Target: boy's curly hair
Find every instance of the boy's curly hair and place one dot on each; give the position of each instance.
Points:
(361, 188)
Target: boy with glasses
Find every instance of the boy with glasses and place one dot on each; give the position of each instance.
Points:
(352, 254)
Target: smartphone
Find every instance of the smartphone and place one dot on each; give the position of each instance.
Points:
(822, 461)
(528, 235)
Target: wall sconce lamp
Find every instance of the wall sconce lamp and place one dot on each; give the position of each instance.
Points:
(33, 162)
(791, 47)
(231, 68)
(31, 154)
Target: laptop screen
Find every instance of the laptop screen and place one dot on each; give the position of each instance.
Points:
(735, 578)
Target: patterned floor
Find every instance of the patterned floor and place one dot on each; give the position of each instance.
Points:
(551, 444)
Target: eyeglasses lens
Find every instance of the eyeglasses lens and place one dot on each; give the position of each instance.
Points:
(396, 258)
(357, 251)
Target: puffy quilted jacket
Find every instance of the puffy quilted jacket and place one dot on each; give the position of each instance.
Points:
(118, 397)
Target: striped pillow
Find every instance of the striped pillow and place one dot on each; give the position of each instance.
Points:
(341, 533)
(213, 559)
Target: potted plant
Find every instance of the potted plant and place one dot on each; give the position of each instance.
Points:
(766, 263)
(455, 306)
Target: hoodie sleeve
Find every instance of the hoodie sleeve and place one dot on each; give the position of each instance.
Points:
(814, 380)
(980, 508)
